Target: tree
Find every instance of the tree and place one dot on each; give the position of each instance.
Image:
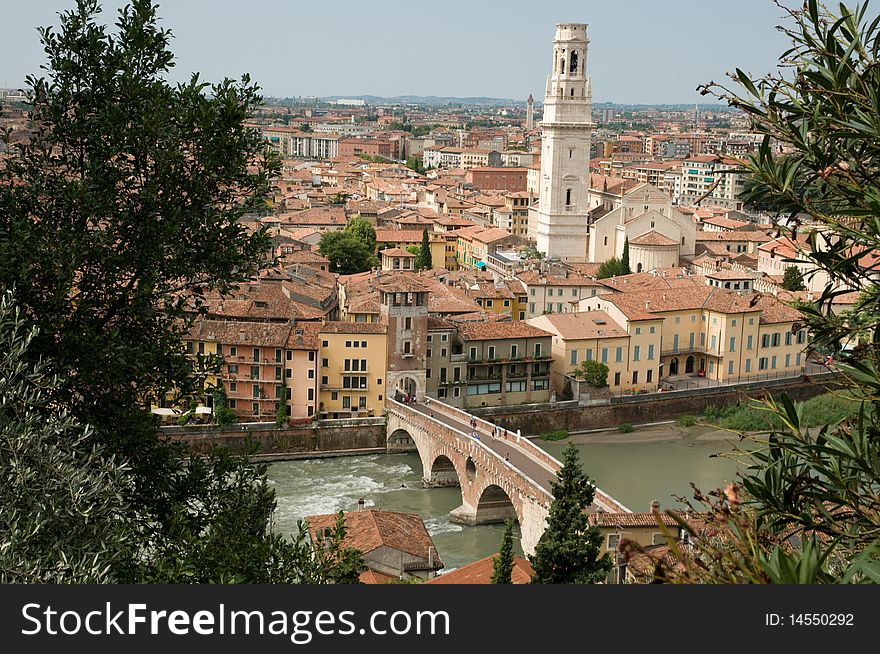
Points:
(592, 372)
(221, 412)
(362, 230)
(624, 261)
(305, 127)
(118, 217)
(62, 494)
(502, 565)
(424, 260)
(613, 267)
(531, 252)
(346, 252)
(805, 510)
(281, 416)
(793, 279)
(568, 550)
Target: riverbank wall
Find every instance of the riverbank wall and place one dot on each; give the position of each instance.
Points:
(637, 410)
(322, 439)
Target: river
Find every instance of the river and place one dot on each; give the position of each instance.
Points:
(651, 463)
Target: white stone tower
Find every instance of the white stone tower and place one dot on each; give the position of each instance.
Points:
(530, 113)
(559, 222)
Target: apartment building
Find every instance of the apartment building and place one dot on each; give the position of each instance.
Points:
(487, 364)
(632, 357)
(717, 333)
(353, 369)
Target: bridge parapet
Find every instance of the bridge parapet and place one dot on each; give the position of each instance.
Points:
(503, 434)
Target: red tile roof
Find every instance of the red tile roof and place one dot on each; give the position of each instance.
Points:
(499, 330)
(480, 572)
(371, 529)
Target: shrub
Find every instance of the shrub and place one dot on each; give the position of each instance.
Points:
(686, 421)
(554, 435)
(624, 428)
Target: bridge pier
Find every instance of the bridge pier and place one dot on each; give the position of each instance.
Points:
(485, 515)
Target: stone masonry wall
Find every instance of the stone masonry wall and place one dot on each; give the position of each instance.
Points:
(608, 416)
(296, 441)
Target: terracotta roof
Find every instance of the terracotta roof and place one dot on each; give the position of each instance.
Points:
(241, 332)
(397, 252)
(304, 336)
(371, 529)
(581, 325)
(725, 223)
(535, 278)
(645, 519)
(499, 330)
(745, 236)
(480, 572)
(400, 283)
(654, 238)
(373, 577)
(341, 327)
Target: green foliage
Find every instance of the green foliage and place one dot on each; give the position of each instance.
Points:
(362, 230)
(221, 412)
(613, 267)
(118, 218)
(624, 260)
(793, 279)
(346, 252)
(61, 494)
(562, 434)
(568, 550)
(502, 565)
(305, 127)
(281, 413)
(567, 393)
(424, 260)
(686, 421)
(414, 162)
(338, 198)
(593, 372)
(625, 428)
(753, 416)
(806, 511)
(531, 252)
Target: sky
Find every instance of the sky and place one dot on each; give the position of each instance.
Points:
(641, 51)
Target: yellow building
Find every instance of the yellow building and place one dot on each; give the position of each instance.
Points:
(301, 370)
(352, 369)
(404, 238)
(714, 333)
(633, 359)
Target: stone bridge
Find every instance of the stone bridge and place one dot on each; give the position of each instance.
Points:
(501, 475)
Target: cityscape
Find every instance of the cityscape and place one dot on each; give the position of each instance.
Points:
(423, 313)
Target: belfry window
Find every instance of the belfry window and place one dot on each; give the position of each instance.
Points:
(567, 197)
(574, 62)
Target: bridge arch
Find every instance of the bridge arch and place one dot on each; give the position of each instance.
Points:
(404, 383)
(442, 472)
(400, 440)
(495, 505)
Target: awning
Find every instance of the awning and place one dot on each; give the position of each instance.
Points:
(480, 264)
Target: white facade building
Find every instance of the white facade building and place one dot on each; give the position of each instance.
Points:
(559, 222)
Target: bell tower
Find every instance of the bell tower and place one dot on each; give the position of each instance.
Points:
(559, 222)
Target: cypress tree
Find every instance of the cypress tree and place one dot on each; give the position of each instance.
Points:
(625, 259)
(568, 551)
(502, 565)
(424, 259)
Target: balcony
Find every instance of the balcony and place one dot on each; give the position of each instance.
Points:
(689, 349)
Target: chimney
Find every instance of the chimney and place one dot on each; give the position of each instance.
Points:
(430, 556)
(654, 506)
(361, 503)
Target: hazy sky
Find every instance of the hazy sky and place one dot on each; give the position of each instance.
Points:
(641, 51)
